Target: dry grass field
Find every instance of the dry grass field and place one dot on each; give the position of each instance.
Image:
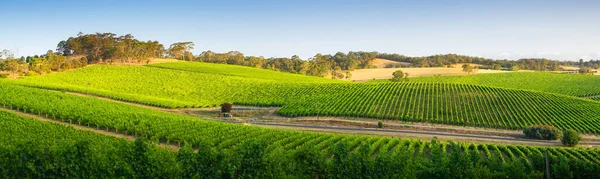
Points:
(386, 73)
(381, 63)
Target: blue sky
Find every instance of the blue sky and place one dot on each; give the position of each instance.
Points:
(563, 30)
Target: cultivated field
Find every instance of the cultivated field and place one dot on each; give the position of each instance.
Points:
(232, 147)
(568, 84)
(456, 104)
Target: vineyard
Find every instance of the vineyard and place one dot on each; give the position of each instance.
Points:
(567, 84)
(242, 71)
(445, 103)
(241, 150)
(457, 104)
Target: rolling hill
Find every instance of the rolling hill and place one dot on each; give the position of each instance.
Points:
(457, 104)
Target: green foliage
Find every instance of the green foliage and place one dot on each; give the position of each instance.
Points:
(457, 104)
(35, 149)
(562, 169)
(514, 68)
(397, 76)
(570, 137)
(110, 48)
(240, 71)
(567, 84)
(544, 132)
(319, 65)
(226, 107)
(251, 156)
(467, 68)
(380, 124)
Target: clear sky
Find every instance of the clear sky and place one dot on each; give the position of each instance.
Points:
(563, 30)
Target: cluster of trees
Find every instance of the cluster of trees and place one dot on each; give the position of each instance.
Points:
(249, 160)
(468, 68)
(109, 47)
(568, 137)
(544, 132)
(594, 64)
(435, 60)
(538, 64)
(319, 65)
(35, 65)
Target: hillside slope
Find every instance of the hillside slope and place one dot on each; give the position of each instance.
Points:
(456, 104)
(568, 84)
(32, 148)
(241, 71)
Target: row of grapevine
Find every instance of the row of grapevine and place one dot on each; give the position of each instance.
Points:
(178, 129)
(567, 84)
(456, 104)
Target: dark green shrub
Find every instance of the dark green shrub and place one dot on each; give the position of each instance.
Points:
(226, 107)
(380, 124)
(570, 138)
(544, 132)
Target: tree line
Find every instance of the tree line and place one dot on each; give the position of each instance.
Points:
(538, 64)
(111, 48)
(318, 65)
(38, 64)
(108, 47)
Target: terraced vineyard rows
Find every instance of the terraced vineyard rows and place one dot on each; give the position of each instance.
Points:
(242, 71)
(456, 104)
(568, 84)
(159, 126)
(34, 149)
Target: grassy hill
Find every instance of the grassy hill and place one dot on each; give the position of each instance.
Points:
(457, 104)
(568, 84)
(241, 71)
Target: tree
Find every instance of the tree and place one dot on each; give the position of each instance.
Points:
(515, 68)
(585, 71)
(545, 132)
(7, 54)
(181, 50)
(11, 65)
(348, 75)
(570, 138)
(226, 107)
(397, 76)
(467, 68)
(497, 67)
(336, 74)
